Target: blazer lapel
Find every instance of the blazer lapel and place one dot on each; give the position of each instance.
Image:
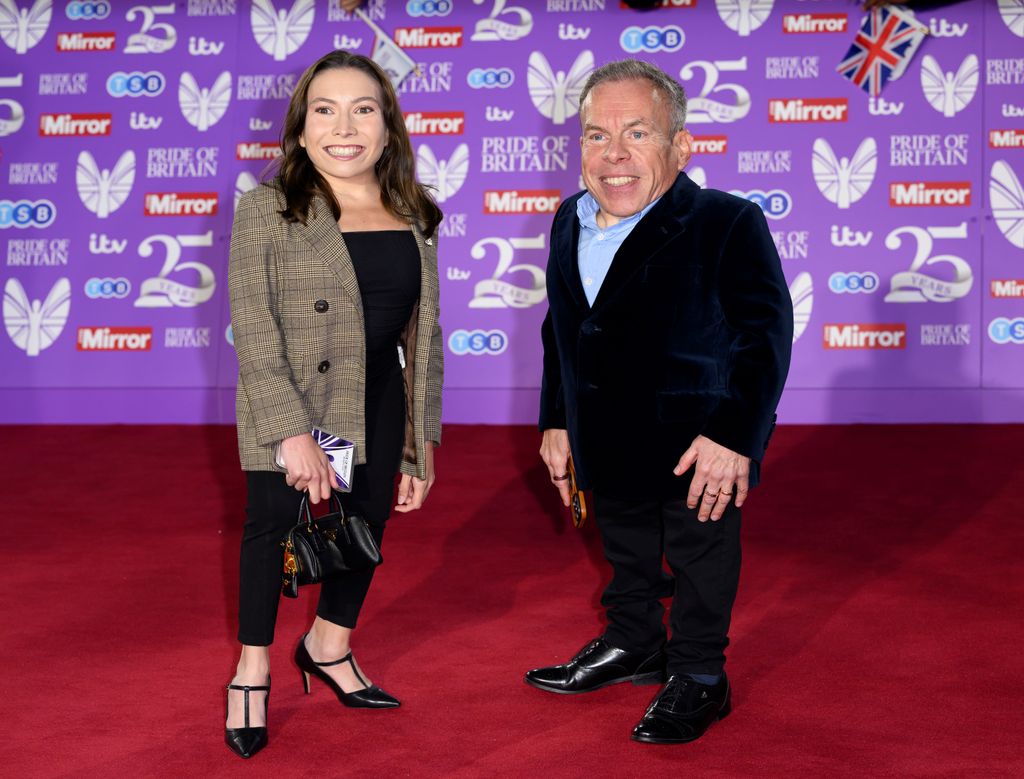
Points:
(659, 227)
(321, 231)
(565, 248)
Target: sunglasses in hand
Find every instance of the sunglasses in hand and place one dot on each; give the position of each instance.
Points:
(577, 502)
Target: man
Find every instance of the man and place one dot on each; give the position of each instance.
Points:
(666, 346)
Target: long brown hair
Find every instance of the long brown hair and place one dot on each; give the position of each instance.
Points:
(300, 181)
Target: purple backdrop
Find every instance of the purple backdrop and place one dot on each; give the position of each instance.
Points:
(127, 133)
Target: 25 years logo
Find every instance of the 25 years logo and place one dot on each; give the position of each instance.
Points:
(501, 292)
(917, 286)
(161, 291)
(705, 108)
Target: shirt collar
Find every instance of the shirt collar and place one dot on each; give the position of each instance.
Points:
(587, 208)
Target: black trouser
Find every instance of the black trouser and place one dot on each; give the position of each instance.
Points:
(273, 507)
(704, 558)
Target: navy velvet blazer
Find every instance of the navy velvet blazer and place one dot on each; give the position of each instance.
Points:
(690, 334)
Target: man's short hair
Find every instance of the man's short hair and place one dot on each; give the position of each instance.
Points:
(635, 70)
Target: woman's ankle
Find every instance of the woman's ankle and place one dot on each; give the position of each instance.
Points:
(326, 641)
(253, 665)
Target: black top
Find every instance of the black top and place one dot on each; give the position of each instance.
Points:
(387, 265)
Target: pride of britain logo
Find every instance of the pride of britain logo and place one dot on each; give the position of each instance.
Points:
(842, 180)
(446, 175)
(744, 16)
(1006, 196)
(949, 93)
(203, 107)
(557, 94)
(104, 191)
(34, 325)
(22, 29)
(281, 33)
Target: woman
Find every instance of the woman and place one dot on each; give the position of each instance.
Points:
(334, 308)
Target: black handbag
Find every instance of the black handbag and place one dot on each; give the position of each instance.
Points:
(317, 549)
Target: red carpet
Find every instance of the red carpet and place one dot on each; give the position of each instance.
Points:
(878, 630)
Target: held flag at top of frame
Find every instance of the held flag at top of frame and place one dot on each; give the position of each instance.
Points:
(883, 47)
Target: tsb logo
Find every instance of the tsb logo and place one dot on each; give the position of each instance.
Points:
(652, 39)
(1005, 331)
(428, 7)
(477, 342)
(26, 213)
(80, 10)
(776, 203)
(135, 84)
(841, 283)
(108, 287)
(490, 78)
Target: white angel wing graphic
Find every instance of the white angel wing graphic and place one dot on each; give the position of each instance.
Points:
(89, 181)
(35, 326)
(203, 108)
(826, 169)
(744, 16)
(243, 184)
(279, 33)
(557, 95)
(1012, 12)
(844, 181)
(103, 192)
(1007, 198)
(446, 176)
(802, 293)
(949, 94)
(698, 176)
(21, 29)
(860, 172)
(933, 82)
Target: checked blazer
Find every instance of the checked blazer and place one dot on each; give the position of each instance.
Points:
(297, 318)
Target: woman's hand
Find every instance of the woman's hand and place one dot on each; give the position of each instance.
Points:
(412, 491)
(308, 467)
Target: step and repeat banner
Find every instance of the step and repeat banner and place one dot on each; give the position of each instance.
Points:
(128, 132)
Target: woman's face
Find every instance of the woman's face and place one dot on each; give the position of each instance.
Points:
(344, 134)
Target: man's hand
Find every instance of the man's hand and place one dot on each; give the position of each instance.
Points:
(308, 467)
(412, 491)
(554, 451)
(719, 473)
(869, 4)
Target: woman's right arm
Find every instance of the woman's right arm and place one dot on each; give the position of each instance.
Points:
(264, 372)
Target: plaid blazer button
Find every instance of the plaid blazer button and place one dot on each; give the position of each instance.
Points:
(324, 366)
(320, 306)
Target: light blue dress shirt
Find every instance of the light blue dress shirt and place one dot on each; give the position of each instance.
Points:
(597, 247)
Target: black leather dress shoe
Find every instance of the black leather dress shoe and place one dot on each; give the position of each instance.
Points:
(597, 665)
(683, 710)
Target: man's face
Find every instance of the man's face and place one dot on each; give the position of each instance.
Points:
(630, 157)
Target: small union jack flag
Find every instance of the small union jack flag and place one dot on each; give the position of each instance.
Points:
(884, 45)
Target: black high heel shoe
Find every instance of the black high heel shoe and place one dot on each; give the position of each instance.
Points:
(247, 741)
(372, 697)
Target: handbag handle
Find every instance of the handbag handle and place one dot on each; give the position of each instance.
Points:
(305, 515)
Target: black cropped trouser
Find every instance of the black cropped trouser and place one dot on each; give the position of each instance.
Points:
(704, 560)
(272, 508)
